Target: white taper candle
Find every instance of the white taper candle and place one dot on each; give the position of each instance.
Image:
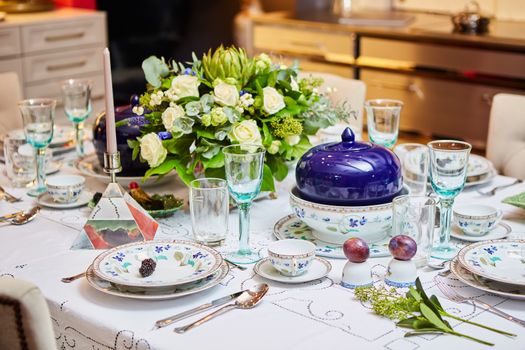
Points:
(111, 136)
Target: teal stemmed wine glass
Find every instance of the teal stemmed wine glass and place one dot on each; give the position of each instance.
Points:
(38, 116)
(244, 171)
(77, 106)
(448, 172)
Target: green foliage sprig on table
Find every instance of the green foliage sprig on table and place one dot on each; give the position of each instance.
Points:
(415, 310)
(192, 110)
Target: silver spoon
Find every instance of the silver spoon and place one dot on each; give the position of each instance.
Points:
(73, 278)
(246, 300)
(23, 218)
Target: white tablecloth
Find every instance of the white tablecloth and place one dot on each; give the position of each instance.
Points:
(317, 315)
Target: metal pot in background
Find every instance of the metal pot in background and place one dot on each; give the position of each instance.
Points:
(471, 21)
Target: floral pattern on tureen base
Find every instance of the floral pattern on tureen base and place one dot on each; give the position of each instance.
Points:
(292, 227)
(498, 260)
(178, 262)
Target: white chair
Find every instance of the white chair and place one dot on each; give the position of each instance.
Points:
(10, 94)
(24, 317)
(350, 90)
(506, 140)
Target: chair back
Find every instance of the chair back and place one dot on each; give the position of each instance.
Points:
(24, 316)
(506, 139)
(10, 94)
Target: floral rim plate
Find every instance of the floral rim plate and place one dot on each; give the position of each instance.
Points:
(498, 260)
(178, 262)
(481, 179)
(319, 269)
(46, 200)
(89, 166)
(292, 227)
(156, 293)
(478, 165)
(502, 230)
(487, 285)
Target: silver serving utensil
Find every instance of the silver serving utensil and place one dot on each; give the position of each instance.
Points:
(217, 302)
(10, 216)
(8, 197)
(497, 188)
(452, 295)
(234, 265)
(73, 278)
(23, 218)
(247, 300)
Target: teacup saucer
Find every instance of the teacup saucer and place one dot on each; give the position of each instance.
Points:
(501, 230)
(319, 269)
(46, 200)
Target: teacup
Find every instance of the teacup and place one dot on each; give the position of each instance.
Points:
(291, 257)
(65, 188)
(476, 219)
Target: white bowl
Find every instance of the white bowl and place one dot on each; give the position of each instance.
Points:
(335, 224)
(476, 219)
(291, 257)
(65, 188)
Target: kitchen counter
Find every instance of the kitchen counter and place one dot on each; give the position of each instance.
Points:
(437, 29)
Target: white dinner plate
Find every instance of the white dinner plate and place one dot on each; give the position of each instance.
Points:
(292, 227)
(502, 230)
(318, 269)
(89, 166)
(178, 262)
(157, 293)
(484, 284)
(499, 260)
(478, 165)
(46, 200)
(481, 179)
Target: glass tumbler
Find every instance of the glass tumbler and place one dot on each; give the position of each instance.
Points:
(19, 159)
(383, 121)
(209, 208)
(414, 216)
(415, 162)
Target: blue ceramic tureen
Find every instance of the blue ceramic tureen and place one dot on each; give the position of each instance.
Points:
(349, 173)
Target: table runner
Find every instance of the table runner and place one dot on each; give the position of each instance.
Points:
(315, 315)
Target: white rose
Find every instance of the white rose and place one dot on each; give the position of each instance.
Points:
(151, 150)
(274, 147)
(292, 140)
(185, 85)
(246, 131)
(226, 94)
(273, 101)
(170, 115)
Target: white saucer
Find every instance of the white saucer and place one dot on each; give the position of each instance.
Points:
(319, 268)
(501, 230)
(46, 200)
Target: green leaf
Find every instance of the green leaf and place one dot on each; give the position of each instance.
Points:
(434, 300)
(267, 140)
(433, 318)
(215, 172)
(205, 134)
(278, 167)
(267, 181)
(154, 69)
(407, 322)
(412, 292)
(423, 331)
(216, 161)
(167, 166)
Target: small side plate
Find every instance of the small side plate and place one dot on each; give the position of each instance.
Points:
(502, 230)
(319, 269)
(46, 200)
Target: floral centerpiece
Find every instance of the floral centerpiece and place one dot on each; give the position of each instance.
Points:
(190, 111)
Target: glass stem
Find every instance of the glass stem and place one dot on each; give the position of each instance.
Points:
(40, 154)
(444, 220)
(79, 134)
(244, 228)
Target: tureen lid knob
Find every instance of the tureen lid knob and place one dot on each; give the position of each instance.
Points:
(348, 135)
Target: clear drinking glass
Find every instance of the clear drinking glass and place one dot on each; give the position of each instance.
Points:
(19, 159)
(38, 116)
(209, 207)
(415, 162)
(414, 216)
(383, 121)
(448, 171)
(77, 105)
(244, 170)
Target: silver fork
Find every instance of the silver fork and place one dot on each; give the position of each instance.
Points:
(497, 188)
(452, 295)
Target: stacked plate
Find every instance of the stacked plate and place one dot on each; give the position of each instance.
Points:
(480, 170)
(182, 268)
(496, 266)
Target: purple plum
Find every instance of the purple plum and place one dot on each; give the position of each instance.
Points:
(402, 247)
(356, 250)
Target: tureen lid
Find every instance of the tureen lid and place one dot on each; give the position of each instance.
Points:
(347, 144)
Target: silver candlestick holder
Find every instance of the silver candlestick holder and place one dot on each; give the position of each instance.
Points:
(117, 218)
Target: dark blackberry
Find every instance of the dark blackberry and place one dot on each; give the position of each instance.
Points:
(147, 267)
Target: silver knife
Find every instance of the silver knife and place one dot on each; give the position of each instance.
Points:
(169, 320)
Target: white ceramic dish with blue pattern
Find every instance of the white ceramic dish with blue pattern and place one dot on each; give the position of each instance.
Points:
(65, 188)
(178, 262)
(498, 260)
(335, 224)
(476, 219)
(291, 257)
(319, 269)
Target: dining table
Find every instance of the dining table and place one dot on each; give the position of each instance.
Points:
(315, 315)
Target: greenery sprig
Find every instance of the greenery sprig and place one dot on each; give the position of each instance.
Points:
(415, 310)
